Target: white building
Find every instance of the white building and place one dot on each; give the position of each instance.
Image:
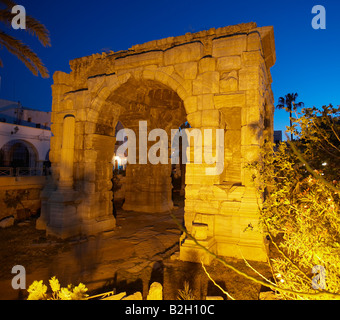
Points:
(24, 139)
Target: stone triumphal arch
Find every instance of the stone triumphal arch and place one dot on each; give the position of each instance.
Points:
(218, 79)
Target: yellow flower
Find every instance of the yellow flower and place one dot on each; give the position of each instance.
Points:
(79, 292)
(37, 291)
(55, 285)
(65, 294)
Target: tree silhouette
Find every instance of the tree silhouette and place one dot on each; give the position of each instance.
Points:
(289, 104)
(16, 46)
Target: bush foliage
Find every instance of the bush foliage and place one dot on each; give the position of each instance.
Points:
(299, 187)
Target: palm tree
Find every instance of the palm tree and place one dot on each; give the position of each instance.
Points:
(288, 103)
(17, 47)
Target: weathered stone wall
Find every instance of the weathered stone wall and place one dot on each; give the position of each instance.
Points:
(215, 79)
(20, 196)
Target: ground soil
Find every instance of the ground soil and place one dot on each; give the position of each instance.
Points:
(127, 259)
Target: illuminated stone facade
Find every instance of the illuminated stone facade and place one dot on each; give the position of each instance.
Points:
(218, 79)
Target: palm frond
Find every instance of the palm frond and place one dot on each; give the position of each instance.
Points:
(24, 53)
(8, 3)
(6, 17)
(36, 28)
(282, 103)
(33, 26)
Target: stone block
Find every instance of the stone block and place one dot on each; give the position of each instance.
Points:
(190, 104)
(229, 46)
(148, 74)
(206, 208)
(229, 207)
(253, 58)
(202, 179)
(155, 291)
(232, 117)
(254, 42)
(192, 192)
(189, 251)
(79, 127)
(79, 141)
(185, 83)
(168, 70)
(207, 82)
(139, 59)
(135, 296)
(200, 231)
(252, 116)
(90, 155)
(195, 119)
(81, 114)
(210, 118)
(187, 70)
(228, 85)
(249, 78)
(205, 102)
(229, 82)
(251, 135)
(56, 129)
(183, 53)
(250, 152)
(232, 248)
(230, 100)
(229, 63)
(206, 64)
(7, 222)
(90, 127)
(60, 77)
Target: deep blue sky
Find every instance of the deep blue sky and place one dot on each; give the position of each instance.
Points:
(308, 60)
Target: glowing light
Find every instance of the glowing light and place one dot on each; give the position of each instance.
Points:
(324, 164)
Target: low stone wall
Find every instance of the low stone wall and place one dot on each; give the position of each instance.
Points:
(20, 196)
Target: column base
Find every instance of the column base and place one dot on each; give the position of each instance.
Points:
(63, 217)
(190, 252)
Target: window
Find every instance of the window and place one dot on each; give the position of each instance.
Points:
(20, 156)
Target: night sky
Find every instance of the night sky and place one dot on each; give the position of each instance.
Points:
(308, 60)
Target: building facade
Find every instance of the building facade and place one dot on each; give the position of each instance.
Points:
(24, 139)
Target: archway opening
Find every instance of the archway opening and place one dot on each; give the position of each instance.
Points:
(147, 111)
(19, 154)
